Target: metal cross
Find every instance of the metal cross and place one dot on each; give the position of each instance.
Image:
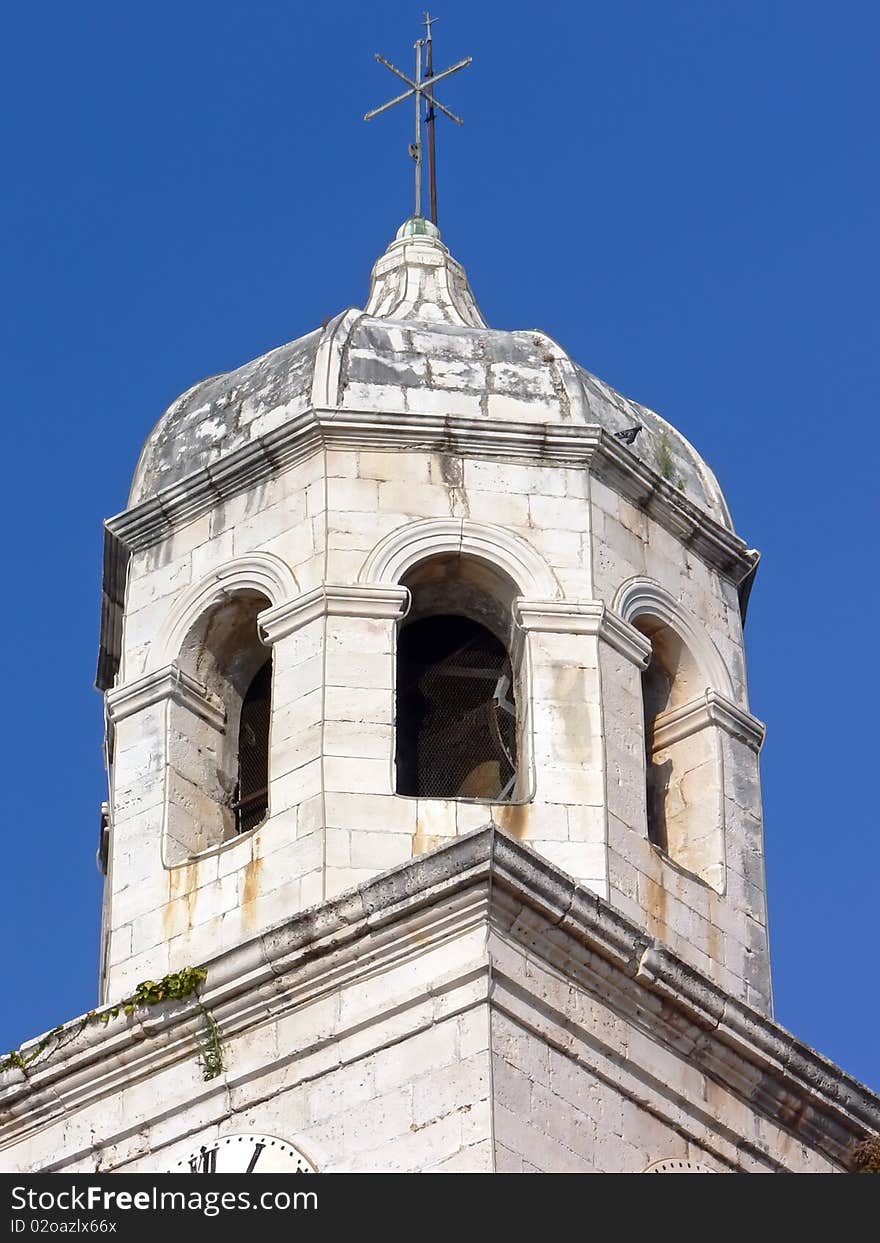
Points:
(422, 89)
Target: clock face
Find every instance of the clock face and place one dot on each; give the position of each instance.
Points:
(245, 1154)
(677, 1165)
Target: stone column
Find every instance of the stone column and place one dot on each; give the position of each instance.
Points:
(333, 728)
(366, 832)
(141, 797)
(579, 756)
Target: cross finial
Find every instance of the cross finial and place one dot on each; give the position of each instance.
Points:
(422, 91)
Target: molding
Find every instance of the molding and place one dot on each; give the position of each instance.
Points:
(329, 356)
(158, 687)
(585, 617)
(483, 879)
(639, 597)
(413, 542)
(264, 572)
(333, 600)
(584, 445)
(708, 709)
(154, 519)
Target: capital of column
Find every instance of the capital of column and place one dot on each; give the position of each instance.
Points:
(708, 709)
(588, 617)
(168, 683)
(332, 599)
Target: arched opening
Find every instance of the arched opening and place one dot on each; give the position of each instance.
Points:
(459, 729)
(252, 790)
(218, 775)
(457, 717)
(655, 698)
(682, 797)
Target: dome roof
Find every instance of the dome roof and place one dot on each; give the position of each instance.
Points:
(419, 346)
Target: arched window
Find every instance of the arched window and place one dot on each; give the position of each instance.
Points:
(459, 733)
(218, 762)
(681, 755)
(252, 791)
(457, 716)
(656, 689)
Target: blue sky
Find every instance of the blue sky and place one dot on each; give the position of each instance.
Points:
(683, 194)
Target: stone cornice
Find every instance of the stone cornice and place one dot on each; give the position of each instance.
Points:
(591, 617)
(710, 708)
(485, 876)
(539, 443)
(332, 599)
(167, 683)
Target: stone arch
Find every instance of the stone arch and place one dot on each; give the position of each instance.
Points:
(460, 712)
(407, 545)
(210, 639)
(683, 754)
(262, 572)
(473, 570)
(217, 765)
(640, 597)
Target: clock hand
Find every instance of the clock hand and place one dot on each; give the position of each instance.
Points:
(258, 1148)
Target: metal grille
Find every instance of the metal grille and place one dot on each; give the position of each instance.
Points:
(252, 791)
(456, 714)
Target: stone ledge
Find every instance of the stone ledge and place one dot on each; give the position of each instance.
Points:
(484, 877)
(168, 683)
(537, 444)
(591, 617)
(710, 708)
(333, 600)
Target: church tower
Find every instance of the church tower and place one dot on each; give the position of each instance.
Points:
(406, 578)
(434, 803)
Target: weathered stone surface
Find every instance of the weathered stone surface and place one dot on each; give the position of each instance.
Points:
(409, 1025)
(575, 979)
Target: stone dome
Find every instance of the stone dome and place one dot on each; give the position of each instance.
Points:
(420, 346)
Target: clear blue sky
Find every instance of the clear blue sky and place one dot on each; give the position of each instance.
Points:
(683, 194)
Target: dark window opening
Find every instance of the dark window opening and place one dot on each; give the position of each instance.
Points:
(252, 789)
(456, 712)
(656, 690)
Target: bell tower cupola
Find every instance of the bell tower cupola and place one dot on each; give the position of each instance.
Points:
(403, 578)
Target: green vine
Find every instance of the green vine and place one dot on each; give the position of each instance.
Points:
(16, 1060)
(176, 985)
(172, 987)
(665, 461)
(211, 1055)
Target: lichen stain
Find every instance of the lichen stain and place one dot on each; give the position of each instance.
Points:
(251, 888)
(182, 885)
(514, 819)
(714, 947)
(435, 824)
(451, 470)
(425, 842)
(656, 898)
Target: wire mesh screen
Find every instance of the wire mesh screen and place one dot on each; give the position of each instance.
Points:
(456, 712)
(252, 792)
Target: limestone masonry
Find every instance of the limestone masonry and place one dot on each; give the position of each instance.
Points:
(429, 742)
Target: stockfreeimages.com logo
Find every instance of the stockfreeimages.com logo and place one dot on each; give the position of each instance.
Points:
(94, 1199)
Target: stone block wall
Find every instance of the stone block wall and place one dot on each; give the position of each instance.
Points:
(336, 525)
(469, 1011)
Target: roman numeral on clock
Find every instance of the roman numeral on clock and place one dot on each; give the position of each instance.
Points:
(205, 1162)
